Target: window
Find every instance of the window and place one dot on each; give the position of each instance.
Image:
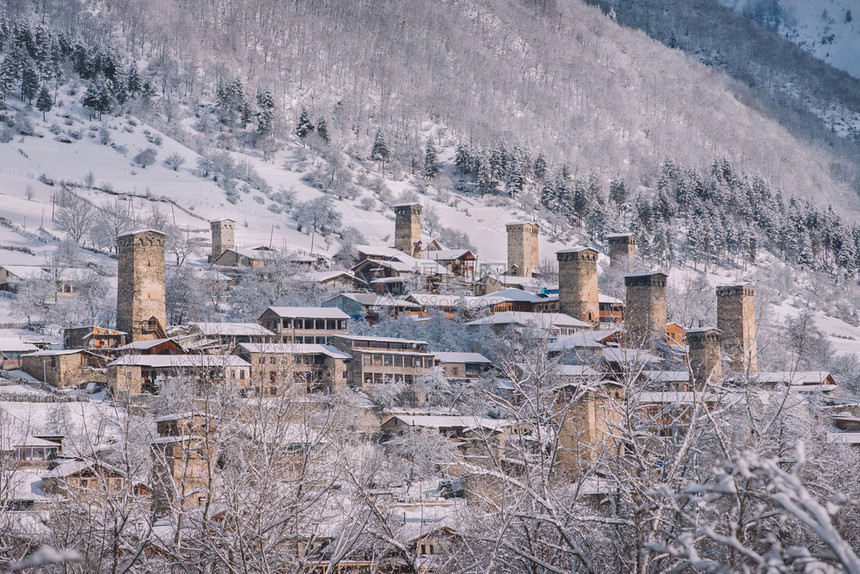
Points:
(398, 378)
(387, 360)
(287, 323)
(330, 324)
(398, 360)
(319, 324)
(428, 362)
(367, 360)
(242, 374)
(455, 371)
(377, 360)
(377, 378)
(407, 361)
(368, 378)
(407, 379)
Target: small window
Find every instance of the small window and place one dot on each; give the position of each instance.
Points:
(398, 360)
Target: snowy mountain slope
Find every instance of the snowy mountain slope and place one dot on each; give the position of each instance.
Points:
(826, 29)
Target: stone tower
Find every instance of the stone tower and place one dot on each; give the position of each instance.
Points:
(523, 254)
(577, 284)
(622, 250)
(645, 316)
(223, 237)
(140, 284)
(704, 354)
(407, 228)
(736, 319)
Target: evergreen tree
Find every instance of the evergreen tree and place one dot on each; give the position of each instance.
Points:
(617, 192)
(266, 113)
(322, 130)
(540, 166)
(431, 161)
(134, 83)
(29, 80)
(515, 180)
(463, 158)
(380, 151)
(98, 96)
(44, 103)
(486, 181)
(304, 125)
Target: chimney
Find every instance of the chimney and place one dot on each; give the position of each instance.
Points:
(522, 248)
(645, 316)
(622, 250)
(577, 284)
(704, 355)
(736, 319)
(407, 228)
(222, 237)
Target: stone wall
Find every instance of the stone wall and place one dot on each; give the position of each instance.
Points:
(223, 236)
(645, 316)
(704, 355)
(622, 250)
(407, 229)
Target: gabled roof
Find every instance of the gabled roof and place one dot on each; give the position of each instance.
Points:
(451, 357)
(517, 295)
(582, 340)
(787, 377)
(537, 320)
(630, 356)
(322, 276)
(374, 300)
(667, 376)
(603, 298)
(16, 345)
(74, 466)
(450, 254)
(59, 352)
(232, 330)
(453, 421)
(144, 345)
(308, 312)
(294, 349)
(454, 301)
(180, 361)
(25, 271)
(379, 339)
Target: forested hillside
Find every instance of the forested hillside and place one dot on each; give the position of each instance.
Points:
(561, 77)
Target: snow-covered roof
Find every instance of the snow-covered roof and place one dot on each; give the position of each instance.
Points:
(448, 254)
(438, 300)
(630, 356)
(676, 397)
(790, 377)
(144, 345)
(16, 345)
(294, 349)
(25, 271)
(618, 235)
(23, 484)
(180, 361)
(451, 357)
(374, 300)
(321, 276)
(604, 298)
(538, 320)
(71, 467)
(144, 230)
(582, 340)
(308, 312)
(444, 421)
(667, 376)
(232, 330)
(514, 294)
(379, 339)
(57, 352)
(576, 249)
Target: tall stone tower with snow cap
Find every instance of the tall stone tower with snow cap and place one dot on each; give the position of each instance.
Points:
(622, 250)
(223, 236)
(645, 317)
(140, 307)
(523, 253)
(577, 284)
(407, 228)
(736, 319)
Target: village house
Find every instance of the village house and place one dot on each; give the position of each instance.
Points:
(11, 350)
(611, 311)
(377, 360)
(255, 257)
(228, 335)
(65, 368)
(135, 374)
(167, 346)
(450, 305)
(276, 365)
(305, 324)
(460, 262)
(463, 365)
(553, 324)
(21, 448)
(371, 307)
(93, 338)
(388, 270)
(81, 479)
(513, 299)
